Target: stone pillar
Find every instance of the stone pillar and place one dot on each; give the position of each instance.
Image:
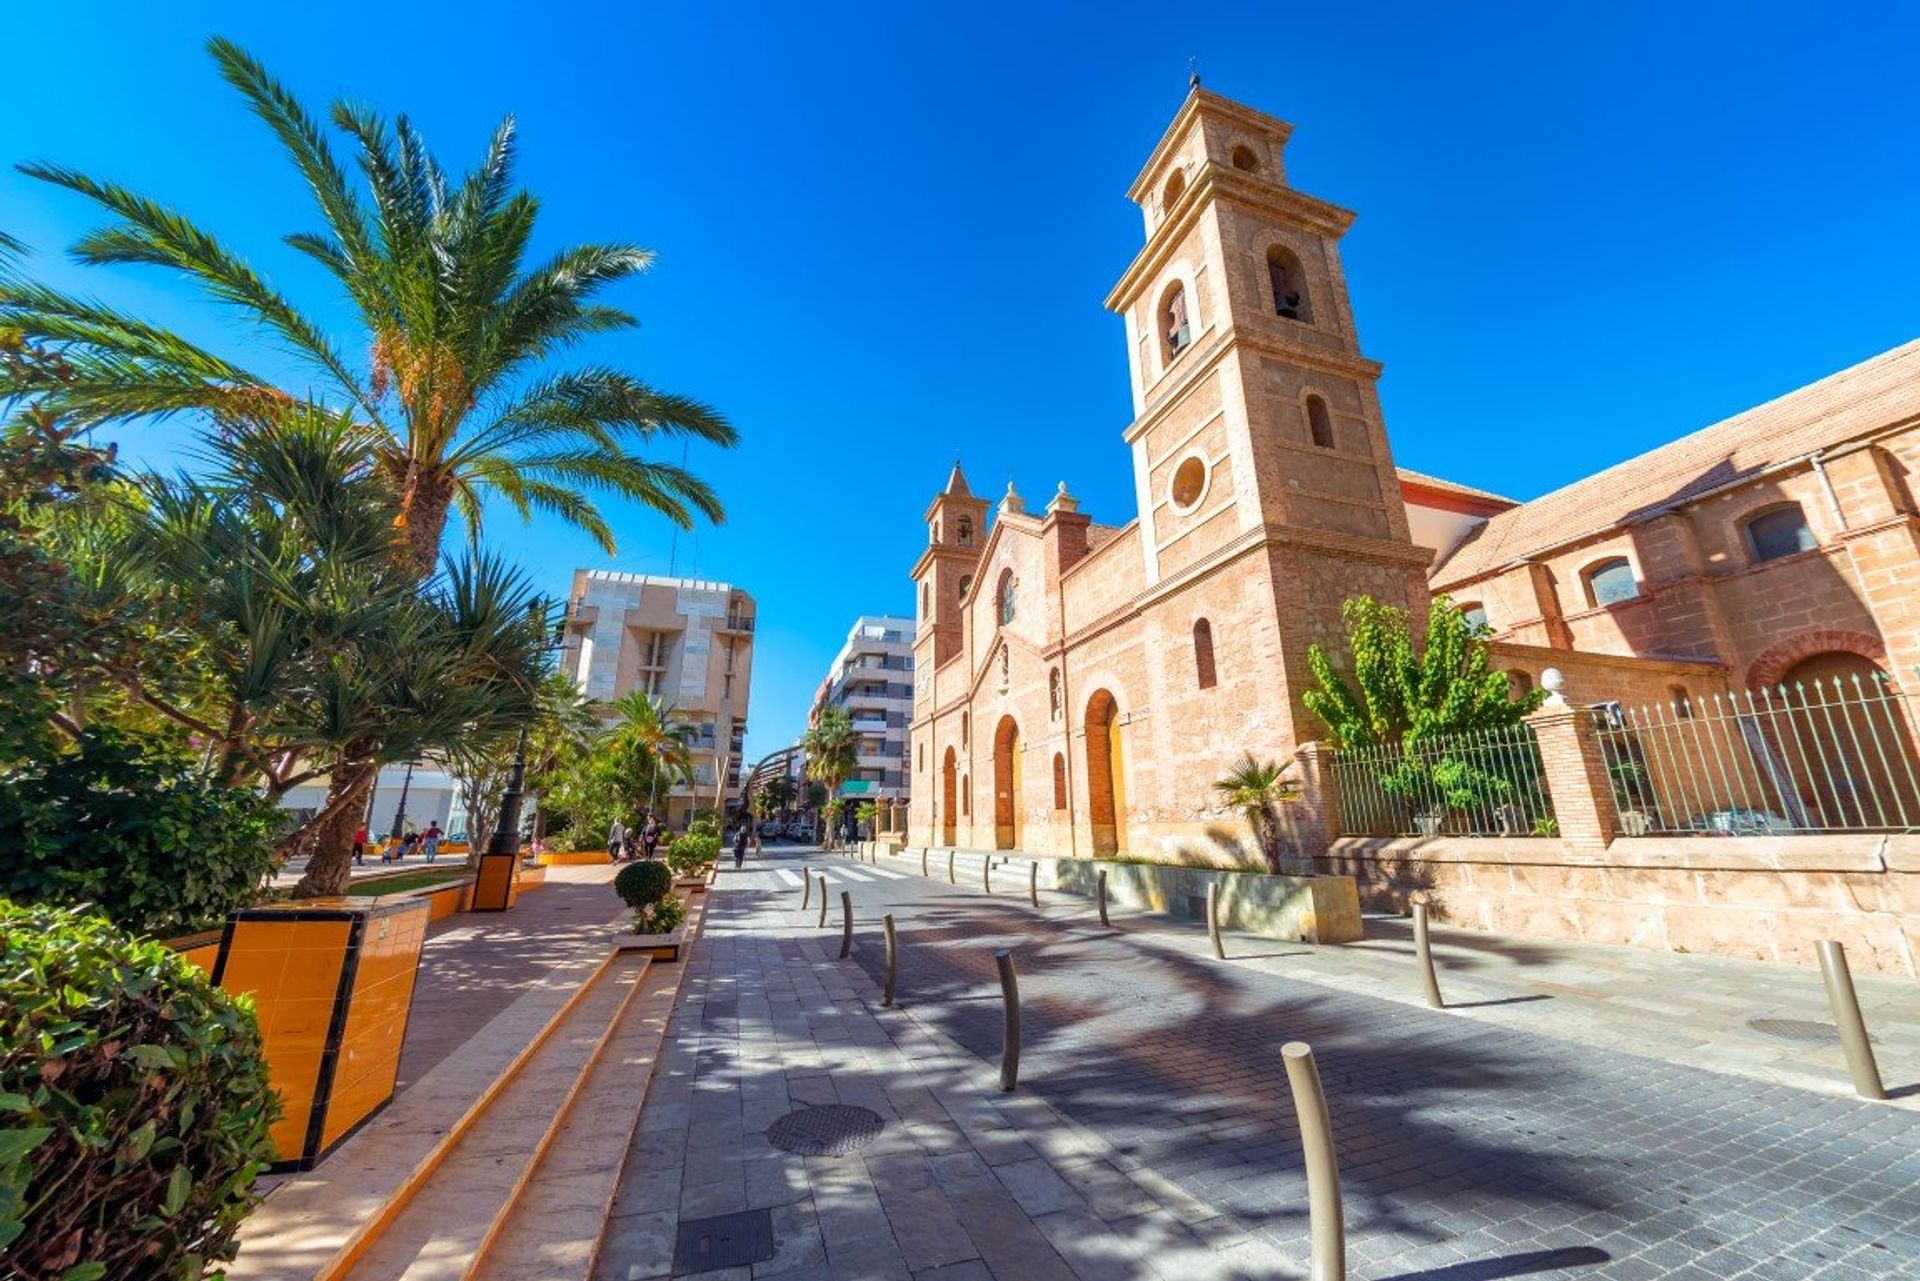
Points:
(1317, 813)
(1576, 774)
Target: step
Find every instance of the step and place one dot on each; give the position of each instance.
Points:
(553, 1229)
(442, 1230)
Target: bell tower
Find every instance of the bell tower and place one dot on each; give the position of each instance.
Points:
(956, 530)
(1257, 420)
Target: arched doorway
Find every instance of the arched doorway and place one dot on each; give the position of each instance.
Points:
(1857, 766)
(1106, 774)
(949, 798)
(1006, 785)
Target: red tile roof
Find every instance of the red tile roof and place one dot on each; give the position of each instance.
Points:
(1874, 394)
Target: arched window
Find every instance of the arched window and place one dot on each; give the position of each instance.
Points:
(1203, 654)
(966, 584)
(1476, 615)
(1245, 160)
(921, 760)
(1779, 531)
(1004, 596)
(1610, 581)
(963, 528)
(1175, 332)
(1519, 683)
(1059, 781)
(1289, 283)
(1319, 423)
(1175, 188)
(1053, 694)
(926, 599)
(966, 796)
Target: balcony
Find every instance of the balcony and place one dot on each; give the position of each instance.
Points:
(742, 623)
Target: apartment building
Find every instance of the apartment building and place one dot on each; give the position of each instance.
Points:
(689, 641)
(872, 678)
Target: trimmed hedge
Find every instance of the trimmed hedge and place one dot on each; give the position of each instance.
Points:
(692, 851)
(641, 885)
(134, 1105)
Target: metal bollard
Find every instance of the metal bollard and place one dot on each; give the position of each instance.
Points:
(1033, 883)
(986, 873)
(1846, 1017)
(1423, 951)
(806, 888)
(1100, 893)
(923, 859)
(1010, 1000)
(893, 959)
(822, 922)
(950, 877)
(1213, 920)
(846, 925)
(1326, 1219)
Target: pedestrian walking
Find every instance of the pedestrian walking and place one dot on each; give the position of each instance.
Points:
(360, 844)
(741, 839)
(617, 839)
(650, 836)
(430, 841)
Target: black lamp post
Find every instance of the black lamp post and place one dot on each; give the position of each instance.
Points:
(494, 880)
(400, 811)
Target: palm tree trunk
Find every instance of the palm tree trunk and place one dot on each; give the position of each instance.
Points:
(426, 498)
(330, 862)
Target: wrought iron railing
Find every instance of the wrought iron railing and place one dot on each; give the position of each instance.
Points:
(1828, 755)
(1480, 783)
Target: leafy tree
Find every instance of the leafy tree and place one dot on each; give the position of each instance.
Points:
(1257, 789)
(832, 748)
(868, 813)
(451, 364)
(627, 766)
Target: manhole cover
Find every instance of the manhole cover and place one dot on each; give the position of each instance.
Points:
(724, 1241)
(1805, 1031)
(829, 1130)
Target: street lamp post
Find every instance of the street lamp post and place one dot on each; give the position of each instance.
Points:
(493, 889)
(400, 811)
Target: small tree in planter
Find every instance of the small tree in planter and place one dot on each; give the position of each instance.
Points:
(647, 888)
(692, 853)
(1257, 789)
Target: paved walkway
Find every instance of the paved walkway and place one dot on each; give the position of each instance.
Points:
(1153, 1135)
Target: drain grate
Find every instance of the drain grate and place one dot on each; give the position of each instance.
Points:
(1805, 1031)
(724, 1241)
(829, 1130)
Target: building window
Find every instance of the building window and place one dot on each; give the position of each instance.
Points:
(1779, 531)
(1005, 596)
(920, 760)
(1319, 423)
(926, 599)
(1059, 781)
(1175, 188)
(1053, 694)
(1610, 581)
(1189, 483)
(964, 526)
(1245, 160)
(1175, 333)
(963, 729)
(1682, 702)
(1289, 282)
(1476, 615)
(1519, 683)
(966, 797)
(966, 585)
(1203, 654)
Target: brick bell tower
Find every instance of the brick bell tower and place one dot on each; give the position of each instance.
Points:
(1257, 429)
(956, 531)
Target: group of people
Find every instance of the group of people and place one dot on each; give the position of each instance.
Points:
(621, 842)
(410, 842)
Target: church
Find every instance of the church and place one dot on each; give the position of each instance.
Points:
(1080, 685)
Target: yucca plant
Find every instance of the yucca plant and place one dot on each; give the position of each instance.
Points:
(1257, 789)
(451, 364)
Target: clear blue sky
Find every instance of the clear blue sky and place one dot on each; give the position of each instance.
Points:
(884, 232)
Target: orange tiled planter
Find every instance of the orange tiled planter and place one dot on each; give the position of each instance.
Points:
(332, 984)
(530, 877)
(576, 858)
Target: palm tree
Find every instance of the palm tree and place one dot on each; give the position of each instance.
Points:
(1258, 789)
(657, 743)
(832, 749)
(451, 364)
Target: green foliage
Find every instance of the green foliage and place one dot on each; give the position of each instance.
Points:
(692, 851)
(1257, 789)
(123, 825)
(134, 1105)
(1407, 692)
(625, 768)
(644, 883)
(832, 747)
(659, 917)
(706, 825)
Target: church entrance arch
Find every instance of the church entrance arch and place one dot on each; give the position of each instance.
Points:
(949, 798)
(1006, 785)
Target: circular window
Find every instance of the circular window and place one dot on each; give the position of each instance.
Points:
(1189, 483)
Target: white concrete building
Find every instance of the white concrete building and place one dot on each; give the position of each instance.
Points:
(872, 678)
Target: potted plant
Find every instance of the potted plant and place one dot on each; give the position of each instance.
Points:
(693, 856)
(658, 916)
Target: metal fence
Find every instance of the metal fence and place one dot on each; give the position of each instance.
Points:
(1828, 755)
(1482, 783)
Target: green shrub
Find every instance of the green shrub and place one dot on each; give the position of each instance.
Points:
(643, 884)
(705, 826)
(130, 829)
(134, 1105)
(660, 918)
(691, 852)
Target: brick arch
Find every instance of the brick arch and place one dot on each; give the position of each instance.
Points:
(1774, 663)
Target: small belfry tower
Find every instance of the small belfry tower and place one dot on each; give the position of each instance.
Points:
(1257, 427)
(956, 530)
